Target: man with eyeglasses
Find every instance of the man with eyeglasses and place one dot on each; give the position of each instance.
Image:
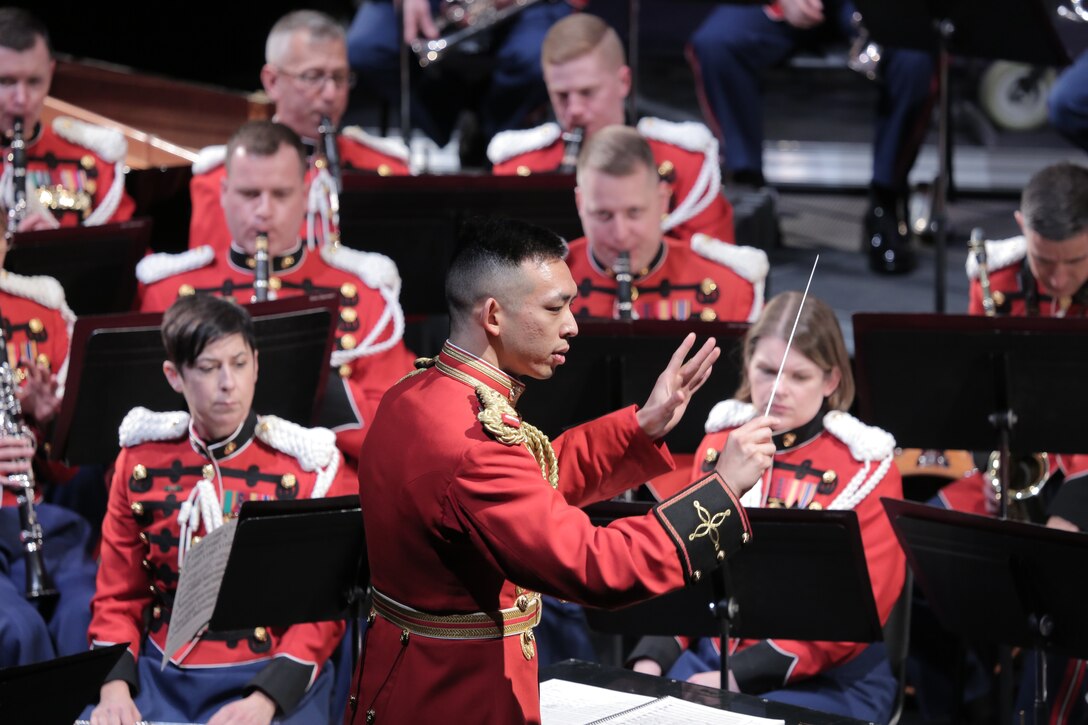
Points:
(74, 170)
(306, 75)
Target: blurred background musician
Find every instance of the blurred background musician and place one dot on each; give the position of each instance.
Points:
(74, 170)
(306, 75)
(588, 82)
(264, 190)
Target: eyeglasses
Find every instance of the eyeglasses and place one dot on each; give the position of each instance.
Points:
(315, 80)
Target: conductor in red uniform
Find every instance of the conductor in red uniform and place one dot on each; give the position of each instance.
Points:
(472, 512)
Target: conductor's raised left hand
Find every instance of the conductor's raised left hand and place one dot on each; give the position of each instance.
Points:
(674, 387)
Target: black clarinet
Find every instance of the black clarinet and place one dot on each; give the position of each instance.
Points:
(572, 146)
(17, 158)
(39, 585)
(621, 268)
(261, 269)
(332, 154)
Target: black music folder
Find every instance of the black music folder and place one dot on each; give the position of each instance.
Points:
(614, 364)
(115, 364)
(56, 691)
(95, 265)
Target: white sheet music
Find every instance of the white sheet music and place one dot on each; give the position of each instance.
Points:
(563, 702)
(198, 587)
(571, 703)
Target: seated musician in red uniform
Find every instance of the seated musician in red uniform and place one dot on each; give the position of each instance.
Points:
(620, 200)
(180, 475)
(306, 75)
(75, 171)
(36, 322)
(481, 511)
(264, 191)
(587, 79)
(825, 459)
(1042, 273)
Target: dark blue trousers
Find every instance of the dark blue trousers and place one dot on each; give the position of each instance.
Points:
(1068, 102)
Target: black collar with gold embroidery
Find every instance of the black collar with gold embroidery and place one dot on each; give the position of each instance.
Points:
(791, 439)
(286, 262)
(604, 269)
(1033, 297)
(223, 449)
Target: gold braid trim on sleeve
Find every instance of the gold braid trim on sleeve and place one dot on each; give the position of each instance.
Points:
(493, 408)
(421, 363)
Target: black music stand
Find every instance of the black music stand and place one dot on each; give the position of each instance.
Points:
(115, 364)
(965, 28)
(976, 383)
(810, 556)
(272, 560)
(614, 364)
(162, 195)
(415, 220)
(96, 266)
(997, 581)
(55, 691)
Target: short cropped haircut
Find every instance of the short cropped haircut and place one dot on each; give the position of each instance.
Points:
(577, 35)
(195, 321)
(818, 337)
(317, 24)
(490, 250)
(1054, 203)
(19, 30)
(264, 138)
(616, 151)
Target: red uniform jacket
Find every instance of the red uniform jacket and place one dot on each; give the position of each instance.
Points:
(1015, 290)
(686, 156)
(359, 151)
(157, 471)
(833, 462)
(707, 280)
(75, 171)
(37, 324)
(369, 355)
(458, 522)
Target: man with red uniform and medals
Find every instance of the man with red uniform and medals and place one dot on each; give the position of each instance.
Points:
(180, 475)
(264, 191)
(620, 200)
(36, 322)
(1042, 273)
(825, 459)
(306, 75)
(75, 171)
(462, 539)
(587, 83)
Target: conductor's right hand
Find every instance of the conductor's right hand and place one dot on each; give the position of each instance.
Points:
(749, 451)
(418, 20)
(115, 705)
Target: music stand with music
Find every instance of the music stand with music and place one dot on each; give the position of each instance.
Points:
(96, 266)
(115, 364)
(965, 563)
(811, 556)
(1006, 29)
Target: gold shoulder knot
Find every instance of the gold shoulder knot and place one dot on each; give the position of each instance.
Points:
(421, 363)
(503, 423)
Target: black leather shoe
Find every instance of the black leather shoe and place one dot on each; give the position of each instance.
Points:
(888, 241)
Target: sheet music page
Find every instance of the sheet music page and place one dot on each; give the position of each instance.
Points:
(198, 587)
(563, 702)
(674, 711)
